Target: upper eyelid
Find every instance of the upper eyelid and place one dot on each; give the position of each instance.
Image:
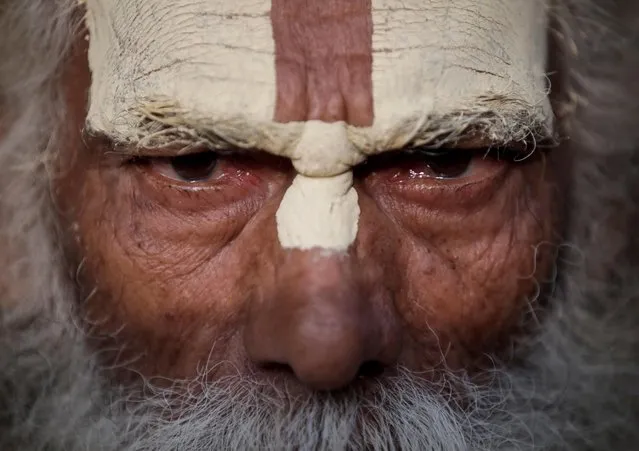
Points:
(130, 151)
(438, 151)
(515, 150)
(514, 153)
(168, 152)
(427, 152)
(471, 146)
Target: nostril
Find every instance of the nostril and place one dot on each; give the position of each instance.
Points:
(276, 367)
(370, 369)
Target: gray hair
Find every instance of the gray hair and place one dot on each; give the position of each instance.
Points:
(572, 383)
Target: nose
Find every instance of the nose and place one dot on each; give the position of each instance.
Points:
(322, 323)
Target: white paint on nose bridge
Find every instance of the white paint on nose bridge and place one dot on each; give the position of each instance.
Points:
(325, 149)
(319, 212)
(320, 208)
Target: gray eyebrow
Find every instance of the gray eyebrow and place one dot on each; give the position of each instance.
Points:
(177, 144)
(162, 127)
(524, 128)
(481, 131)
(486, 130)
(172, 132)
(158, 134)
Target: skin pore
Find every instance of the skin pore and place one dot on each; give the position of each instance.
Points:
(175, 275)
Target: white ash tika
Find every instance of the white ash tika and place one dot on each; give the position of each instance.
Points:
(213, 64)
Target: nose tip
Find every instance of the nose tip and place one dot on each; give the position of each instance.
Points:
(323, 328)
(326, 348)
(327, 351)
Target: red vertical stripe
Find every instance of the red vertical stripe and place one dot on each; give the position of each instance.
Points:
(324, 60)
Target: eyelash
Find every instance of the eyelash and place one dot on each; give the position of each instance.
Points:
(377, 166)
(510, 154)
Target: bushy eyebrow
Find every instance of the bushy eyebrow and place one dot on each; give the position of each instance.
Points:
(183, 145)
(170, 132)
(484, 127)
(162, 129)
(482, 134)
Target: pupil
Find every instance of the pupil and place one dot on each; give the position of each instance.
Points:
(194, 167)
(448, 164)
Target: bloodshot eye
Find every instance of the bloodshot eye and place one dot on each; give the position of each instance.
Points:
(450, 164)
(428, 168)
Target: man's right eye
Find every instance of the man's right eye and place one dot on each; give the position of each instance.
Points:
(191, 168)
(205, 179)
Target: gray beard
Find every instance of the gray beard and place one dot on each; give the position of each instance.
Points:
(571, 391)
(53, 396)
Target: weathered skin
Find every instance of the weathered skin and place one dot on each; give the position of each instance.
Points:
(343, 264)
(273, 77)
(435, 263)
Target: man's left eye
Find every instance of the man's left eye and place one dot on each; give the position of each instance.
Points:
(441, 165)
(422, 168)
(191, 168)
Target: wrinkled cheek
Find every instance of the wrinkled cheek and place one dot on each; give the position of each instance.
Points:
(100, 229)
(141, 279)
(143, 294)
(474, 293)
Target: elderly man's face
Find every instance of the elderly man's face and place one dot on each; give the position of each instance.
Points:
(183, 260)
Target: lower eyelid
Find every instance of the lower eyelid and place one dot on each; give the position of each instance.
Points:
(479, 172)
(451, 196)
(165, 167)
(194, 198)
(229, 175)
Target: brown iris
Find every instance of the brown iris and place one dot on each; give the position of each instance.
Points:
(442, 164)
(190, 168)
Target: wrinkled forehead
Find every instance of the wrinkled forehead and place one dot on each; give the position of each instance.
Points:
(256, 70)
